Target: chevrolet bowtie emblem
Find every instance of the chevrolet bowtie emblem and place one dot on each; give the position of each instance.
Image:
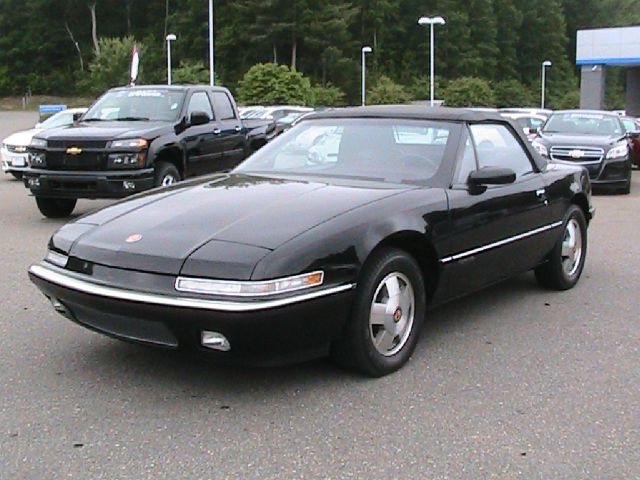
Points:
(576, 154)
(74, 151)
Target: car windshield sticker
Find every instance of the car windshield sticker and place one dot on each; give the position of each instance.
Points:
(145, 93)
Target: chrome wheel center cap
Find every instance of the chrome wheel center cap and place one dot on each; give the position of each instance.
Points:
(397, 315)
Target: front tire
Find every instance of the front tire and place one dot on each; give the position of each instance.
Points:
(387, 315)
(166, 174)
(566, 261)
(56, 207)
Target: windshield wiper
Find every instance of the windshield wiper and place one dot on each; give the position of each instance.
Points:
(93, 120)
(132, 119)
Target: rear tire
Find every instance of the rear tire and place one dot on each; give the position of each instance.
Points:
(56, 207)
(566, 261)
(166, 174)
(387, 315)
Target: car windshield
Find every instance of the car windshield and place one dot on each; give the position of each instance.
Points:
(154, 104)
(583, 124)
(390, 150)
(60, 119)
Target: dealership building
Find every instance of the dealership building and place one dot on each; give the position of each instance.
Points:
(608, 47)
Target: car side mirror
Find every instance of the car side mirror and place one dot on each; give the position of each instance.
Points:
(533, 131)
(199, 118)
(491, 176)
(77, 116)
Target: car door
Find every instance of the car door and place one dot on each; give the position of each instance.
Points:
(202, 141)
(232, 136)
(500, 230)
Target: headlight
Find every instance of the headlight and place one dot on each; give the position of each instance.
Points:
(249, 289)
(540, 147)
(38, 143)
(619, 151)
(126, 160)
(37, 160)
(57, 259)
(139, 143)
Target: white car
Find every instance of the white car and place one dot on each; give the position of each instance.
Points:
(530, 123)
(14, 155)
(280, 111)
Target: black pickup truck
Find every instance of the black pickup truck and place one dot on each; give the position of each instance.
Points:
(136, 138)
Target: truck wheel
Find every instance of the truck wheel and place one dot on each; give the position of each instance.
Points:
(166, 174)
(56, 207)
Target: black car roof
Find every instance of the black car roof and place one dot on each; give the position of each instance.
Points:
(410, 112)
(169, 87)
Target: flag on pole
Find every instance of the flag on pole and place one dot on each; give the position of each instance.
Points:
(135, 64)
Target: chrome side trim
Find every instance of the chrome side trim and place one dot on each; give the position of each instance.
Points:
(500, 243)
(91, 288)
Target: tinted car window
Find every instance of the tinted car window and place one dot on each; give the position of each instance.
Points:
(199, 102)
(409, 151)
(223, 106)
(497, 147)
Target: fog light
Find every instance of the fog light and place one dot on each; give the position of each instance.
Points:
(215, 341)
(33, 182)
(128, 185)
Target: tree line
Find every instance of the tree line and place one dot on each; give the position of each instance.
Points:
(492, 48)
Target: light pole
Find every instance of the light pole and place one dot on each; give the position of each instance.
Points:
(211, 59)
(545, 64)
(170, 38)
(431, 21)
(365, 50)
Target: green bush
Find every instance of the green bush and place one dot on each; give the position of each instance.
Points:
(420, 88)
(512, 93)
(112, 67)
(387, 92)
(567, 101)
(272, 84)
(191, 73)
(327, 96)
(469, 92)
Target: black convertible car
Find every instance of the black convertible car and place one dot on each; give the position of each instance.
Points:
(333, 239)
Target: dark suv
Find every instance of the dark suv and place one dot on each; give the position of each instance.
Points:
(136, 138)
(594, 139)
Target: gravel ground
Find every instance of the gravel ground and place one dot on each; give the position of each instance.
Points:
(512, 383)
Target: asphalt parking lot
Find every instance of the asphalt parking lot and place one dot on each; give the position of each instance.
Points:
(512, 383)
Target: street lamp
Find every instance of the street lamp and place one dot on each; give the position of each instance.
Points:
(365, 50)
(170, 38)
(545, 64)
(211, 59)
(431, 21)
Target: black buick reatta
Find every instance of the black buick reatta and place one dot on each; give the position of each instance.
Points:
(334, 239)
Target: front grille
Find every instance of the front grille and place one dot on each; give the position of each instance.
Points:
(580, 155)
(83, 161)
(98, 144)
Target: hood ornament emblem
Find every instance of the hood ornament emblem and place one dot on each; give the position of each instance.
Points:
(576, 154)
(136, 237)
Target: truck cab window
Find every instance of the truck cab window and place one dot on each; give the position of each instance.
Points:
(199, 102)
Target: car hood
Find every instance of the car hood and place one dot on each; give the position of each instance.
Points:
(21, 138)
(575, 140)
(106, 131)
(157, 232)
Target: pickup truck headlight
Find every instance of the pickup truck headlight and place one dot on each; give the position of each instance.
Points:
(37, 159)
(38, 143)
(138, 143)
(540, 147)
(619, 151)
(126, 160)
(249, 289)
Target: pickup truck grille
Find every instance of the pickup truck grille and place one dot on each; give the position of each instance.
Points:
(83, 161)
(98, 144)
(580, 155)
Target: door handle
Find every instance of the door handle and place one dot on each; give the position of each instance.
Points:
(238, 128)
(541, 193)
(216, 131)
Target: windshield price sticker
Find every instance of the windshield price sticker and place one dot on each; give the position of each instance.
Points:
(587, 116)
(144, 93)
